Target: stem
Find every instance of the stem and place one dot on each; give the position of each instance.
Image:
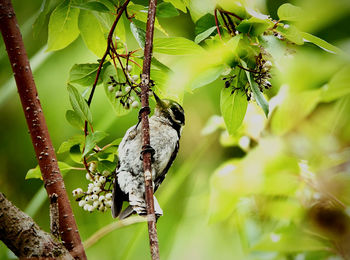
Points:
(147, 167)
(216, 22)
(235, 15)
(43, 147)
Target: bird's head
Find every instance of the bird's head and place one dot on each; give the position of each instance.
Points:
(171, 110)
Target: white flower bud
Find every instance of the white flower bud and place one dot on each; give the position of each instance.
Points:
(90, 208)
(77, 192)
(82, 203)
(86, 207)
(135, 78)
(102, 179)
(150, 93)
(92, 167)
(88, 176)
(286, 26)
(108, 196)
(101, 198)
(118, 94)
(268, 63)
(101, 207)
(96, 190)
(110, 88)
(90, 186)
(108, 203)
(105, 173)
(87, 198)
(127, 88)
(94, 197)
(135, 104)
(129, 68)
(96, 204)
(97, 183)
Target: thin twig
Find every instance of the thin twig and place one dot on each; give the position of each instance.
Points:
(233, 14)
(147, 167)
(216, 22)
(111, 227)
(36, 123)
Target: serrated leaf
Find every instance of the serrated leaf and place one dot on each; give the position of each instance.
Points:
(166, 10)
(83, 74)
(74, 140)
(92, 6)
(79, 104)
(91, 141)
(291, 33)
(259, 97)
(92, 32)
(233, 108)
(139, 34)
(202, 36)
(320, 43)
(105, 165)
(254, 26)
(74, 119)
(289, 12)
(204, 23)
(35, 173)
(63, 26)
(338, 86)
(176, 46)
(41, 19)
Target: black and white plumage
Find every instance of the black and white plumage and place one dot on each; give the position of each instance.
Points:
(165, 131)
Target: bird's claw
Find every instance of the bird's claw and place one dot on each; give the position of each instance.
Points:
(147, 149)
(143, 109)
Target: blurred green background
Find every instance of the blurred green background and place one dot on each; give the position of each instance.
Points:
(188, 229)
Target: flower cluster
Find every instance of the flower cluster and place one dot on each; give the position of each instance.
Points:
(123, 90)
(97, 196)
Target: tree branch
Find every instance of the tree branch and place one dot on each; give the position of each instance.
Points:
(23, 236)
(43, 147)
(145, 80)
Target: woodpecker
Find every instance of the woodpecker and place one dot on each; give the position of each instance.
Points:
(165, 130)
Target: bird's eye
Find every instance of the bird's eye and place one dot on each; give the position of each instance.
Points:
(178, 114)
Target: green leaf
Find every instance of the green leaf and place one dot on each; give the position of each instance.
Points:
(293, 109)
(92, 6)
(166, 10)
(91, 141)
(40, 21)
(206, 76)
(74, 140)
(83, 74)
(289, 12)
(204, 23)
(291, 33)
(75, 153)
(259, 97)
(176, 46)
(338, 86)
(93, 33)
(105, 165)
(233, 108)
(79, 104)
(179, 4)
(200, 37)
(63, 26)
(320, 43)
(74, 119)
(290, 240)
(139, 34)
(254, 26)
(35, 173)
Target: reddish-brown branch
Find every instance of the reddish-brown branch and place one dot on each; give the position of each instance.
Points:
(23, 236)
(38, 129)
(145, 80)
(217, 22)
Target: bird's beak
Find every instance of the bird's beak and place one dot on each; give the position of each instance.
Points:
(159, 101)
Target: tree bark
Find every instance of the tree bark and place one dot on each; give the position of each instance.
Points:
(147, 167)
(43, 147)
(23, 236)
